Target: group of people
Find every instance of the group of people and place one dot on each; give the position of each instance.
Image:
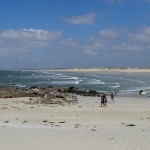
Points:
(104, 99)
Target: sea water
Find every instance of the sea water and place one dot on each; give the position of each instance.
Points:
(121, 83)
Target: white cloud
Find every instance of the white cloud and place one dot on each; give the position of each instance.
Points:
(126, 47)
(141, 36)
(109, 33)
(36, 34)
(52, 45)
(118, 42)
(24, 40)
(68, 42)
(87, 19)
(101, 43)
(89, 52)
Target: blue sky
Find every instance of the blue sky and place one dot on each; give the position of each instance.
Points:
(68, 33)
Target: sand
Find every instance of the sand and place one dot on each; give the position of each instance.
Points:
(123, 125)
(112, 70)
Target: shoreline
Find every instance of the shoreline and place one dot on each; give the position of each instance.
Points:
(95, 69)
(138, 70)
(102, 80)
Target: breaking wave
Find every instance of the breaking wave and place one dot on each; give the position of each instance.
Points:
(65, 82)
(94, 81)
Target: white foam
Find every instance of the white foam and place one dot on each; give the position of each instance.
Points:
(137, 89)
(71, 78)
(122, 78)
(19, 85)
(115, 86)
(94, 81)
(65, 82)
(59, 74)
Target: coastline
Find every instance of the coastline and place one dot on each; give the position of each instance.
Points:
(138, 70)
(122, 125)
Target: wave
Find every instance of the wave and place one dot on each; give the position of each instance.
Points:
(40, 82)
(91, 75)
(19, 85)
(65, 82)
(55, 82)
(137, 89)
(74, 78)
(94, 81)
(63, 77)
(132, 80)
(126, 79)
(59, 74)
(114, 86)
(128, 91)
(113, 83)
(71, 78)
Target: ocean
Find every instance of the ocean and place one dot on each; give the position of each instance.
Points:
(121, 83)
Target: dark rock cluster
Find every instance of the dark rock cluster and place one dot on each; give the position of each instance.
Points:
(49, 95)
(83, 92)
(10, 92)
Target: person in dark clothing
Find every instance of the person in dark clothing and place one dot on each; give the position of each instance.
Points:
(103, 100)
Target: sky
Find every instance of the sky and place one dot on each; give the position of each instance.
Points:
(43, 34)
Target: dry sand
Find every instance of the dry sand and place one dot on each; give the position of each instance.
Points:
(122, 70)
(123, 125)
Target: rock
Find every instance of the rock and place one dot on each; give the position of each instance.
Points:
(92, 92)
(33, 87)
(60, 96)
(45, 96)
(35, 90)
(130, 125)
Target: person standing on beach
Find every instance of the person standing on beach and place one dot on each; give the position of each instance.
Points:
(103, 100)
(112, 95)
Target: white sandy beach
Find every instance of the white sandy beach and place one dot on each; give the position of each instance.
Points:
(123, 125)
(122, 70)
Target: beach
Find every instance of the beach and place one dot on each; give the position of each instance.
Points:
(122, 125)
(111, 70)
